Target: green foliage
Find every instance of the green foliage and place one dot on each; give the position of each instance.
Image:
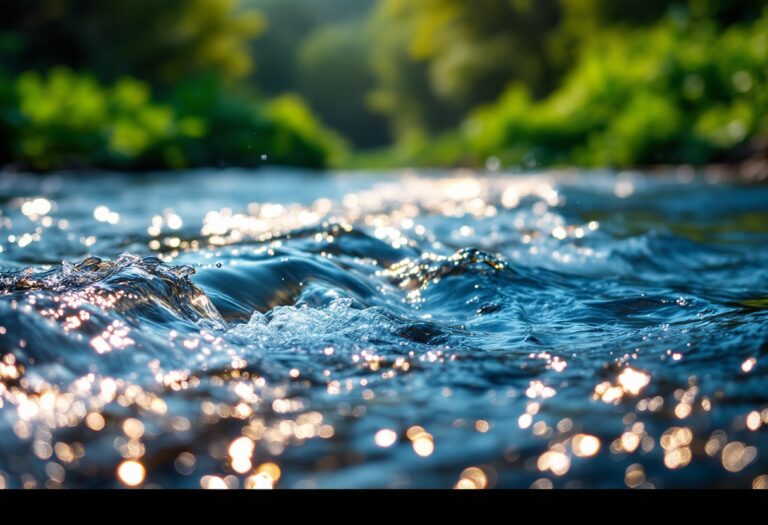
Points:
(404, 92)
(674, 93)
(136, 84)
(303, 139)
(66, 119)
(446, 149)
(142, 84)
(437, 60)
(242, 130)
(161, 42)
(443, 57)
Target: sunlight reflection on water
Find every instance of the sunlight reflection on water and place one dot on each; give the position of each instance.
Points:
(279, 329)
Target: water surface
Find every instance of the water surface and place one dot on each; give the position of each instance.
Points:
(236, 329)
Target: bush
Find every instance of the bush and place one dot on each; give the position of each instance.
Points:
(68, 119)
(673, 93)
(242, 130)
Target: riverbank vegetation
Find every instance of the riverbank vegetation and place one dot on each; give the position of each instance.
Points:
(335, 83)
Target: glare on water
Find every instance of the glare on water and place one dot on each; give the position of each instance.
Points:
(237, 330)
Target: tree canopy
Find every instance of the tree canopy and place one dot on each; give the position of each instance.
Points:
(431, 82)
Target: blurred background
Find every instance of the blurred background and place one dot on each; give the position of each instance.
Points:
(141, 84)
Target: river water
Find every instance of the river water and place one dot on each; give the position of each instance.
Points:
(234, 329)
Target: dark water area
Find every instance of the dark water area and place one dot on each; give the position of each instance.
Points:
(229, 329)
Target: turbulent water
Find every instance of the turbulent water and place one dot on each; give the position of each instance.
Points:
(229, 329)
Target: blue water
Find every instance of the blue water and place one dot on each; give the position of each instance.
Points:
(224, 328)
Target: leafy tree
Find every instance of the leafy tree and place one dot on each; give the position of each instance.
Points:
(143, 84)
(158, 41)
(677, 92)
(437, 59)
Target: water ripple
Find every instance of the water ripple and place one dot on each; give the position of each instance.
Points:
(558, 329)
